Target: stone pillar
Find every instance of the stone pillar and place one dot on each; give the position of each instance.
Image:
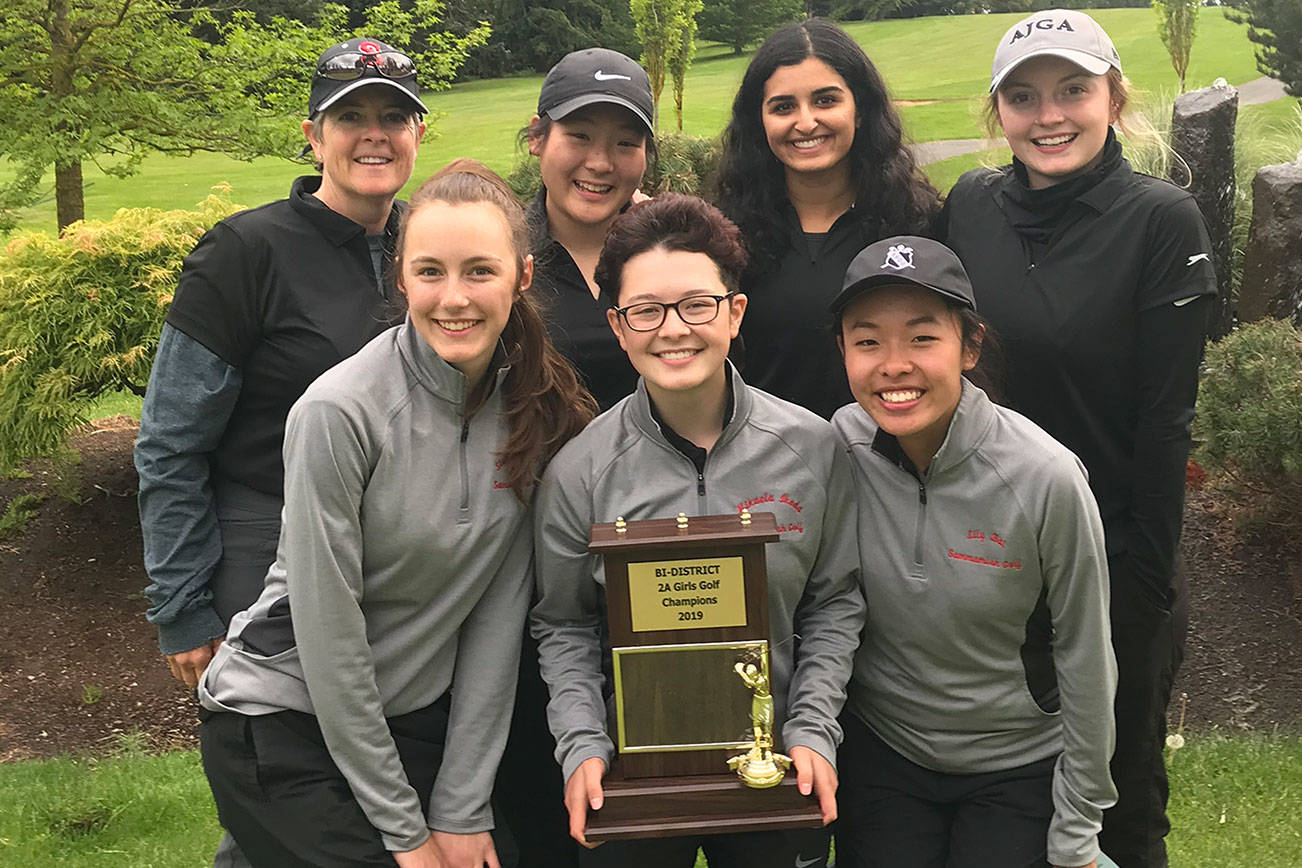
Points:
(1202, 135)
(1272, 266)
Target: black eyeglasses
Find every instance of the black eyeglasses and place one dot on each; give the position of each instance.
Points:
(647, 316)
(352, 64)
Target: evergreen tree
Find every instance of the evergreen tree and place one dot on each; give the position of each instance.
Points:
(1276, 28)
(739, 23)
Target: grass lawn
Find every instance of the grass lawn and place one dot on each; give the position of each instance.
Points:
(1234, 803)
(943, 62)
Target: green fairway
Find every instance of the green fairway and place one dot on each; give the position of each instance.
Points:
(1233, 803)
(941, 66)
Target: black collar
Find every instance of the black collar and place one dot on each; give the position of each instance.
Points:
(694, 453)
(335, 227)
(888, 446)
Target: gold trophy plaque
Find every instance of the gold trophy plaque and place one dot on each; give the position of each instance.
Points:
(696, 746)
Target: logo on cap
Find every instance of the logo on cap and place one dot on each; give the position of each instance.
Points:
(609, 76)
(1041, 24)
(368, 47)
(899, 257)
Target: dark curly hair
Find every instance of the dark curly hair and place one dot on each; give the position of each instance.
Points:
(891, 195)
(673, 221)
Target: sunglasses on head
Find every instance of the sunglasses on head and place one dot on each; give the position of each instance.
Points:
(353, 64)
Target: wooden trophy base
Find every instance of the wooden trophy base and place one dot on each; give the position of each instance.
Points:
(698, 805)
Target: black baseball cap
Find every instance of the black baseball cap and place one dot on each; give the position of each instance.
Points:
(906, 259)
(359, 63)
(597, 75)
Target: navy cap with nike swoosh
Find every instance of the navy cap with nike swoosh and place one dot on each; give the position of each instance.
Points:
(597, 75)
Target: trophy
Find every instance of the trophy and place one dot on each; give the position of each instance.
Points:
(696, 747)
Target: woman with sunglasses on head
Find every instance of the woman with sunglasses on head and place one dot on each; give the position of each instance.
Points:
(268, 300)
(814, 167)
(357, 710)
(978, 725)
(696, 439)
(591, 135)
(1099, 279)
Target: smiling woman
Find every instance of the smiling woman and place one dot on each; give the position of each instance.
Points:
(366, 145)
(461, 277)
(1098, 278)
(696, 438)
(268, 300)
(978, 724)
(330, 735)
(591, 135)
(814, 166)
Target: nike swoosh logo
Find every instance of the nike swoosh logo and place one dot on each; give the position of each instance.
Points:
(1182, 302)
(804, 863)
(609, 76)
(1196, 257)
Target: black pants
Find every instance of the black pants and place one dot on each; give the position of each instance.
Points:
(1148, 634)
(806, 848)
(285, 802)
(249, 522)
(893, 813)
(529, 793)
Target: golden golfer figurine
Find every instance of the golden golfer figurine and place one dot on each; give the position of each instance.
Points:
(759, 767)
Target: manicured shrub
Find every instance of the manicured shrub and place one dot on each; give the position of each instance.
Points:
(1249, 422)
(80, 315)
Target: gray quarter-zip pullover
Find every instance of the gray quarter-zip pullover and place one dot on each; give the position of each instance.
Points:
(987, 645)
(404, 570)
(771, 457)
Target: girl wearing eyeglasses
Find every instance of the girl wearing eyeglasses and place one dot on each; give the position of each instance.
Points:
(814, 167)
(694, 438)
(356, 712)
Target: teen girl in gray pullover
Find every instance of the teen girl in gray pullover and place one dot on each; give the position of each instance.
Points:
(364, 699)
(979, 722)
(694, 438)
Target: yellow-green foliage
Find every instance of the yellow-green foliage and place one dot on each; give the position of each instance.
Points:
(80, 314)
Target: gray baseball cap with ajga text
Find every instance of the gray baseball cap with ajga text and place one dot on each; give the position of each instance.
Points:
(1063, 33)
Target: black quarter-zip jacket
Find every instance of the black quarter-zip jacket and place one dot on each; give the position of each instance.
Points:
(1103, 331)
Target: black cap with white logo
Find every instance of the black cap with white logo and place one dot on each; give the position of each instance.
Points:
(597, 75)
(906, 259)
(359, 63)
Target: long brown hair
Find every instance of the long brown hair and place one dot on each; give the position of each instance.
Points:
(545, 403)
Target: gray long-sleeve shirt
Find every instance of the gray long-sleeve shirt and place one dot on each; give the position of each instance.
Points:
(189, 400)
(772, 456)
(403, 572)
(987, 645)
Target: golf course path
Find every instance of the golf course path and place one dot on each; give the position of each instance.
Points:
(1257, 91)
